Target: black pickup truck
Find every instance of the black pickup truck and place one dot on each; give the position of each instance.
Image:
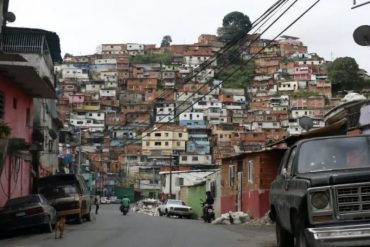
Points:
(321, 196)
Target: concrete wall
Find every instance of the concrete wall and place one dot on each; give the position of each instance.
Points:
(195, 194)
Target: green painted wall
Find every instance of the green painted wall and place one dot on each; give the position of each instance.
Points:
(195, 194)
(121, 191)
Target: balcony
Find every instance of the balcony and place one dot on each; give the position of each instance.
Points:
(27, 56)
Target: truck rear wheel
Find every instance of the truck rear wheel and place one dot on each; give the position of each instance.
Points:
(283, 237)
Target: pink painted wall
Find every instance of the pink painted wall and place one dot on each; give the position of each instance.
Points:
(72, 98)
(228, 203)
(15, 179)
(255, 203)
(75, 98)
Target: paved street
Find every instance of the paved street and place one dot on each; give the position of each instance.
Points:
(111, 229)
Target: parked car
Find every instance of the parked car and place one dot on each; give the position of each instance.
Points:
(175, 207)
(103, 200)
(27, 212)
(68, 194)
(321, 196)
(114, 199)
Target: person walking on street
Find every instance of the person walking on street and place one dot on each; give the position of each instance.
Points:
(97, 203)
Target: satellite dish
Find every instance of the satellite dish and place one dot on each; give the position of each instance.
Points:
(9, 16)
(306, 123)
(362, 35)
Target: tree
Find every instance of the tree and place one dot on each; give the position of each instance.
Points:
(165, 58)
(237, 76)
(343, 73)
(235, 24)
(67, 55)
(166, 41)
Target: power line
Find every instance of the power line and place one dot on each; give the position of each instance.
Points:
(236, 70)
(256, 39)
(216, 86)
(237, 39)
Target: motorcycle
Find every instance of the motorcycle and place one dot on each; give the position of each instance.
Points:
(208, 213)
(124, 209)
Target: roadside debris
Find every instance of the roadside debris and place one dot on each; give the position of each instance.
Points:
(147, 206)
(242, 218)
(232, 218)
(265, 220)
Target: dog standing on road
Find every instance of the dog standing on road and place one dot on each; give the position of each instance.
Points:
(59, 226)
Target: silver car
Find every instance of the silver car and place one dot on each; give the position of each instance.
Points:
(175, 207)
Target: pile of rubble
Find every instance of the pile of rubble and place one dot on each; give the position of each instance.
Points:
(265, 220)
(232, 218)
(147, 206)
(242, 218)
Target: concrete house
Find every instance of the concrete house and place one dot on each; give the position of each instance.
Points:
(165, 140)
(246, 180)
(39, 49)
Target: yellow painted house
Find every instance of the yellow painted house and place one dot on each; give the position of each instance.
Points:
(165, 140)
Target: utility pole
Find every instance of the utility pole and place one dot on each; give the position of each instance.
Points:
(171, 175)
(79, 153)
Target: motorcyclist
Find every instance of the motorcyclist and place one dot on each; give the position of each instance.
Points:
(207, 204)
(209, 199)
(125, 202)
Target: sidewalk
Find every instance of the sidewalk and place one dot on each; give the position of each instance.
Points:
(255, 236)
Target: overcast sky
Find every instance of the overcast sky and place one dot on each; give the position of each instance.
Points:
(84, 24)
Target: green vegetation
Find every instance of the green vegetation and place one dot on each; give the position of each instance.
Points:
(240, 79)
(343, 73)
(303, 94)
(165, 58)
(286, 60)
(235, 24)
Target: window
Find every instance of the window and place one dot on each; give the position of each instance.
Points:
(194, 158)
(2, 104)
(147, 144)
(180, 134)
(232, 173)
(28, 117)
(157, 134)
(184, 158)
(250, 171)
(157, 143)
(166, 143)
(166, 134)
(178, 144)
(50, 148)
(179, 181)
(15, 103)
